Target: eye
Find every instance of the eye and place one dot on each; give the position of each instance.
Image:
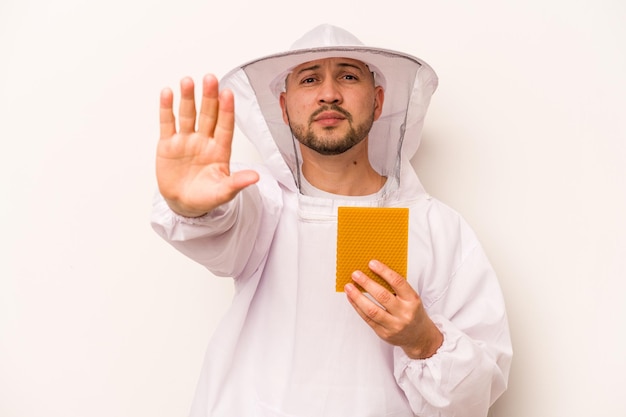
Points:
(350, 77)
(308, 80)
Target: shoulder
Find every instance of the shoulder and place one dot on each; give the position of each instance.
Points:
(446, 224)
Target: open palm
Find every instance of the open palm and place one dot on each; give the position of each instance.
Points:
(193, 163)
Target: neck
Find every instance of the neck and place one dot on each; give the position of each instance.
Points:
(349, 173)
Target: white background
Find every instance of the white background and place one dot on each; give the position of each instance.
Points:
(525, 137)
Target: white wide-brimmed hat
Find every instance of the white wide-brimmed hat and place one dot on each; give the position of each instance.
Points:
(408, 82)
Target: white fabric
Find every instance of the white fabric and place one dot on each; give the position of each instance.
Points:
(291, 346)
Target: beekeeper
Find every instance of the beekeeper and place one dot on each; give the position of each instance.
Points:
(335, 123)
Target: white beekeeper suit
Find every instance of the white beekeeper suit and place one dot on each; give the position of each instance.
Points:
(290, 345)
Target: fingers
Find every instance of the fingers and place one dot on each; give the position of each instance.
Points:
(225, 125)
(187, 108)
(208, 106)
(397, 282)
(166, 115)
(377, 291)
(390, 302)
(375, 313)
(372, 313)
(217, 110)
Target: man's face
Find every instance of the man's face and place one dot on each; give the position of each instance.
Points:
(330, 104)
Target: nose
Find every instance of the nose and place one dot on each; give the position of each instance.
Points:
(329, 93)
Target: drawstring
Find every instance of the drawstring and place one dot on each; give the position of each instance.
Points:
(295, 152)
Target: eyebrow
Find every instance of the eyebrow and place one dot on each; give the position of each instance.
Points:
(341, 64)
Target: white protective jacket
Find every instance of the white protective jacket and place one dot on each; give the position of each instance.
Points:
(290, 345)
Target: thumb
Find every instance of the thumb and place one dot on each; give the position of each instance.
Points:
(243, 179)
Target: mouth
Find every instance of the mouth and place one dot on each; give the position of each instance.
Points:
(329, 118)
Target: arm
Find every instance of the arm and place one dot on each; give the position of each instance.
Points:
(203, 209)
(462, 367)
(222, 240)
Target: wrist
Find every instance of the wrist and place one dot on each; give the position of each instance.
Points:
(184, 212)
(427, 346)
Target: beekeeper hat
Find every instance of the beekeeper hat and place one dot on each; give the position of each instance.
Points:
(408, 82)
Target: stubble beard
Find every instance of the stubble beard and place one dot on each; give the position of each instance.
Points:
(327, 144)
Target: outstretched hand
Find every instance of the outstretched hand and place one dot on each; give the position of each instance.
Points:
(399, 319)
(193, 163)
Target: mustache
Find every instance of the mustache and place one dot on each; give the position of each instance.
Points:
(331, 107)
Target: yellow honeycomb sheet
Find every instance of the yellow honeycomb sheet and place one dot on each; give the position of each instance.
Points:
(366, 233)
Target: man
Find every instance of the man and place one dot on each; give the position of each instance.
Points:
(336, 123)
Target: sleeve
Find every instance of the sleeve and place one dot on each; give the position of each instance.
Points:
(231, 239)
(470, 369)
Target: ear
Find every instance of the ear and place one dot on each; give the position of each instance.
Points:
(283, 107)
(379, 98)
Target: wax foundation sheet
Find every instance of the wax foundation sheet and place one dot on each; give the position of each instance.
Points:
(366, 233)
